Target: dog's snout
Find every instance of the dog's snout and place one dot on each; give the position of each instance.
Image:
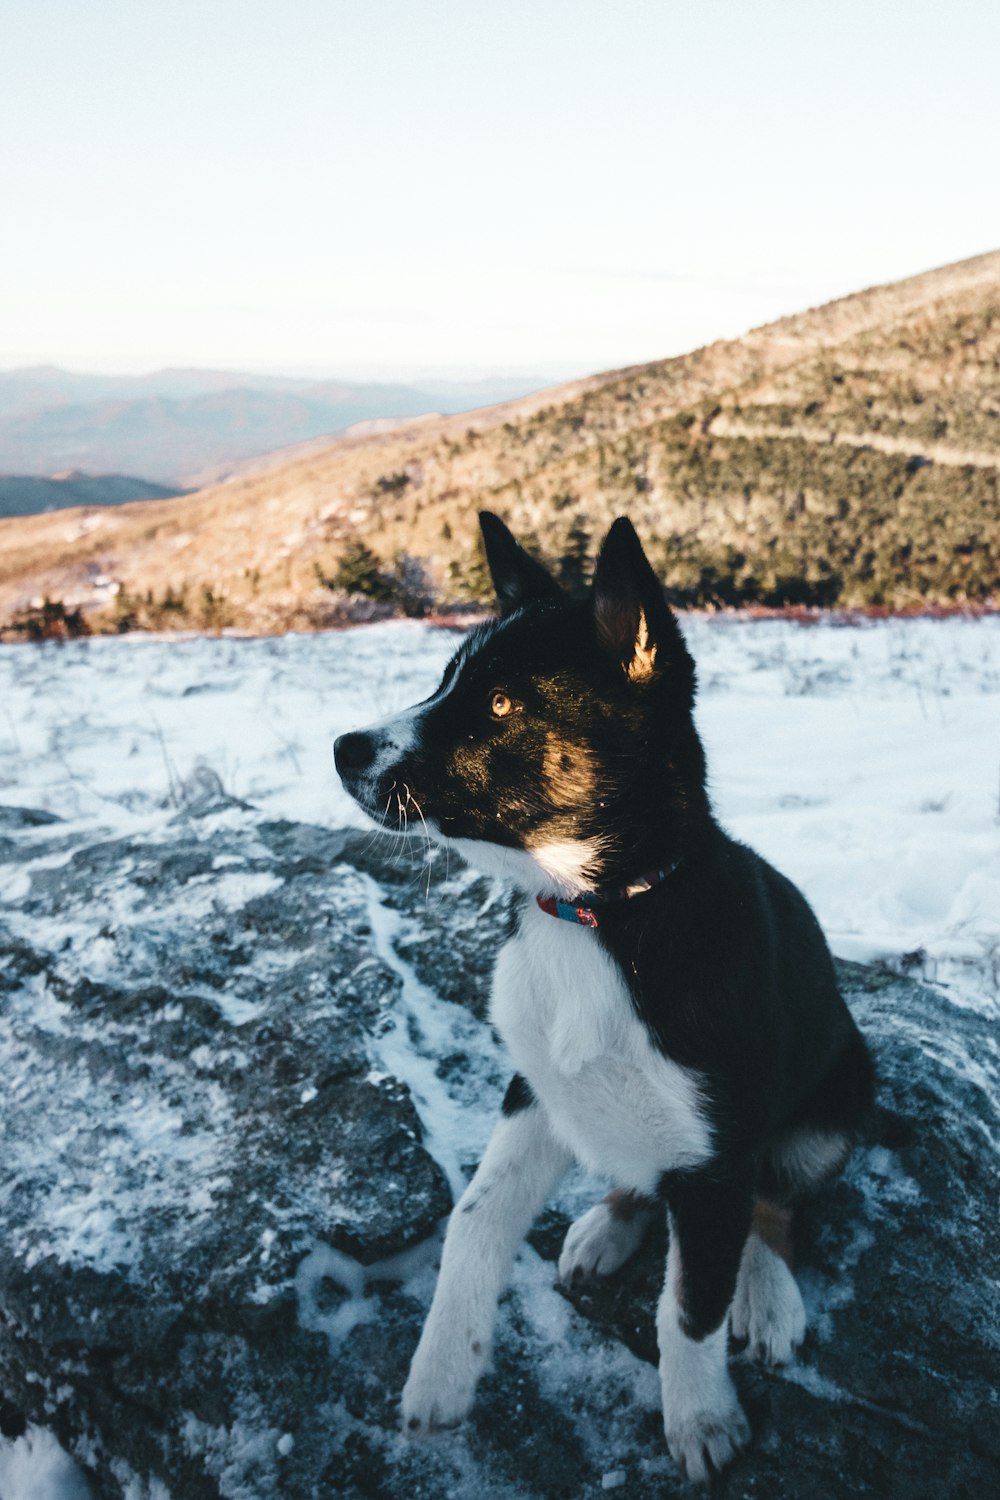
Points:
(353, 752)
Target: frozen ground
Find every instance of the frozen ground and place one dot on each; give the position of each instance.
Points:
(862, 760)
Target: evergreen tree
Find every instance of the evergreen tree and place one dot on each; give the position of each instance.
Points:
(360, 572)
(572, 569)
(477, 584)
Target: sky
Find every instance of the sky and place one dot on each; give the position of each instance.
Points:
(384, 189)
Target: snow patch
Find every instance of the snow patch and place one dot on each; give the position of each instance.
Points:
(861, 760)
(332, 1287)
(35, 1467)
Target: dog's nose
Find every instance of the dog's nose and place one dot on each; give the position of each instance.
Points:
(353, 752)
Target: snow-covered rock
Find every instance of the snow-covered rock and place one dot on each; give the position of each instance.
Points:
(246, 1068)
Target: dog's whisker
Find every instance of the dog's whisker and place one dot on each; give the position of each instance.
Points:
(428, 842)
(379, 832)
(402, 828)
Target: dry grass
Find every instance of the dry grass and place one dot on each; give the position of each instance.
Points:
(723, 454)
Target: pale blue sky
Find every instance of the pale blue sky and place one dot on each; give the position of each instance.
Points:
(383, 187)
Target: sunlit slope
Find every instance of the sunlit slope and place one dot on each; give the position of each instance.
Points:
(849, 454)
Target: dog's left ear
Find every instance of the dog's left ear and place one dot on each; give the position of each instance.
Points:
(517, 578)
(634, 622)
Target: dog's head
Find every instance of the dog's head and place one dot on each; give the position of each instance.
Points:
(559, 748)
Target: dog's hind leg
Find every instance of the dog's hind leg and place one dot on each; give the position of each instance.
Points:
(794, 1164)
(605, 1237)
(767, 1310)
(801, 1161)
(814, 1146)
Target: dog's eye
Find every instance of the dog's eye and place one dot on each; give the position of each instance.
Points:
(500, 705)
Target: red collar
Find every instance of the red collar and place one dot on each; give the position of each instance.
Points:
(581, 909)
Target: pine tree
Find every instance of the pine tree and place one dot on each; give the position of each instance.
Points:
(573, 564)
(360, 572)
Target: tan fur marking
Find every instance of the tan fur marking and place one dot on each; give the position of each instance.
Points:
(570, 773)
(773, 1225)
(625, 1204)
(643, 663)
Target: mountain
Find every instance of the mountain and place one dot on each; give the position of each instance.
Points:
(36, 387)
(28, 494)
(174, 425)
(848, 455)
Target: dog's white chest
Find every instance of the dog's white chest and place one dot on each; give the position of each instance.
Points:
(561, 1006)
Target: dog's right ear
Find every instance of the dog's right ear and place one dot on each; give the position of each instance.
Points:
(517, 578)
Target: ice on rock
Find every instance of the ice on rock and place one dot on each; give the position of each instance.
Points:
(247, 1067)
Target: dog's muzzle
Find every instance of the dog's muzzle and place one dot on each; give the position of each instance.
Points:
(368, 766)
(373, 762)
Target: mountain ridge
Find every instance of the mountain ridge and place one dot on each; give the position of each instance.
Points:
(844, 455)
(173, 424)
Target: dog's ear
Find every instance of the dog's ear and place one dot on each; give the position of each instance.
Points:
(517, 578)
(633, 620)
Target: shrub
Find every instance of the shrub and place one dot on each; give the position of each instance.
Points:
(50, 621)
(573, 566)
(406, 585)
(359, 572)
(392, 484)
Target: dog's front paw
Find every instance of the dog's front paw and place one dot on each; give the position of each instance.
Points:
(767, 1310)
(442, 1382)
(704, 1442)
(599, 1242)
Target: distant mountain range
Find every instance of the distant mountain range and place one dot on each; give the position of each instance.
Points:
(181, 427)
(28, 494)
(847, 456)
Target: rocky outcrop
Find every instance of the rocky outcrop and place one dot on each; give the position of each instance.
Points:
(246, 1068)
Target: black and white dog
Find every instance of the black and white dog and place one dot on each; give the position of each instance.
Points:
(668, 999)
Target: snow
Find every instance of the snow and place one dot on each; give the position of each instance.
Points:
(424, 1029)
(863, 760)
(35, 1467)
(325, 1267)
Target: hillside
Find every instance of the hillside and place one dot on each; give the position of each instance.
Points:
(848, 455)
(30, 494)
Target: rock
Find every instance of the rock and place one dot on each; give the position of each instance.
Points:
(202, 792)
(26, 817)
(899, 1373)
(246, 1068)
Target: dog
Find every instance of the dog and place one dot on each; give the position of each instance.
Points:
(668, 999)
